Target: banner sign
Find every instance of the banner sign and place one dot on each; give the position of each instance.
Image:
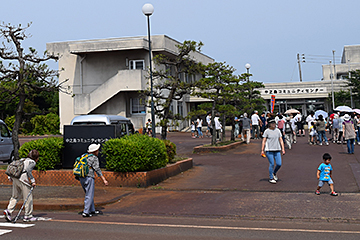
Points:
(272, 103)
(313, 90)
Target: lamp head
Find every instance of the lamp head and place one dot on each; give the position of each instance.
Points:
(148, 9)
(247, 66)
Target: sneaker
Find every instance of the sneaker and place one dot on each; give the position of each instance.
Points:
(333, 194)
(7, 215)
(310, 143)
(358, 143)
(317, 192)
(327, 144)
(30, 219)
(272, 181)
(294, 141)
(97, 212)
(320, 144)
(86, 215)
(275, 177)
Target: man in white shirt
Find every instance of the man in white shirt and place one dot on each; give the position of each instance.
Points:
(256, 123)
(218, 126)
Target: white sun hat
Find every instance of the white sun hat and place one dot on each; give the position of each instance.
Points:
(93, 147)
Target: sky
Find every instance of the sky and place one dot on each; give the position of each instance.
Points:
(267, 34)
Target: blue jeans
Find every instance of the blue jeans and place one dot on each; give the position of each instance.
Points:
(273, 157)
(350, 145)
(358, 135)
(88, 184)
(322, 134)
(200, 132)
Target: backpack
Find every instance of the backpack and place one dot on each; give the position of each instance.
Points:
(81, 167)
(15, 168)
(288, 128)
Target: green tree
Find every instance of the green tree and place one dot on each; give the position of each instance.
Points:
(23, 73)
(172, 81)
(218, 85)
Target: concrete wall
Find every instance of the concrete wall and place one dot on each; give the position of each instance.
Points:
(98, 77)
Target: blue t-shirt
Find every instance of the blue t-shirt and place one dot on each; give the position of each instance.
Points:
(325, 172)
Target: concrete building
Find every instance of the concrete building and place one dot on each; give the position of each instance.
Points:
(314, 95)
(350, 60)
(106, 75)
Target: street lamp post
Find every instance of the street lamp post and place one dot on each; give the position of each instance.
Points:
(247, 66)
(148, 10)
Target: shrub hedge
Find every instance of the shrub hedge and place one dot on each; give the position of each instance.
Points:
(170, 150)
(50, 150)
(134, 153)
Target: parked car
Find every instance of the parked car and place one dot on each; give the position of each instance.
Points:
(6, 144)
(123, 125)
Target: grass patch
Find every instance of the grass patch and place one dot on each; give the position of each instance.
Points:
(177, 159)
(3, 167)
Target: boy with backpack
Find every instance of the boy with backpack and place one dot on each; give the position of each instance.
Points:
(288, 132)
(88, 181)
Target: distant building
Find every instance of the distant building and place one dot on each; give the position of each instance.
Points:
(350, 60)
(106, 75)
(314, 95)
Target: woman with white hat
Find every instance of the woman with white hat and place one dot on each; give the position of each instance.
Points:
(88, 182)
(349, 133)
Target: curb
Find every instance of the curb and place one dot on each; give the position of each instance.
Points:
(202, 149)
(70, 206)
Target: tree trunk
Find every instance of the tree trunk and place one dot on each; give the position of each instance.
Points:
(18, 119)
(232, 130)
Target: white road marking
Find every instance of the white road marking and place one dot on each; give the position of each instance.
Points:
(2, 232)
(213, 227)
(15, 225)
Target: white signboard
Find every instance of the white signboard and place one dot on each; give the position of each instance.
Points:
(310, 90)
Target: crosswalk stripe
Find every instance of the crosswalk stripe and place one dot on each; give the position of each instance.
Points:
(2, 232)
(15, 225)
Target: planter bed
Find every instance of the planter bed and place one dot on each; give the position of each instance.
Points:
(115, 179)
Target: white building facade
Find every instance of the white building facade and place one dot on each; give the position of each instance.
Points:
(105, 77)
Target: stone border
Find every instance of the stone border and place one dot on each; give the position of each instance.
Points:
(116, 179)
(202, 149)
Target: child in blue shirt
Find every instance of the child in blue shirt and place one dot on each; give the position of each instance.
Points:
(324, 173)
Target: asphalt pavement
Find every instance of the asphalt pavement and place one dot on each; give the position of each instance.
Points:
(231, 184)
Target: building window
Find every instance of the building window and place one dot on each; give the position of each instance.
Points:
(180, 108)
(137, 64)
(137, 105)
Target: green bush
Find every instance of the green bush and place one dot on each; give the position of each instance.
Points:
(170, 150)
(45, 124)
(134, 153)
(50, 150)
(10, 122)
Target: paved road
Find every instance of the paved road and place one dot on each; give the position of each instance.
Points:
(227, 196)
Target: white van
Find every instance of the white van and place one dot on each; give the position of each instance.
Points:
(123, 125)
(6, 144)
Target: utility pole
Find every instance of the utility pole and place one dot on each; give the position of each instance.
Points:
(351, 98)
(298, 58)
(335, 76)
(332, 86)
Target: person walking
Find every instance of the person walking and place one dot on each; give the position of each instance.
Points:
(272, 146)
(264, 123)
(349, 133)
(293, 126)
(193, 128)
(218, 127)
(88, 182)
(324, 175)
(357, 128)
(320, 128)
(341, 133)
(309, 120)
(256, 123)
(236, 132)
(288, 132)
(199, 122)
(21, 187)
(335, 128)
(209, 130)
(246, 125)
(149, 127)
